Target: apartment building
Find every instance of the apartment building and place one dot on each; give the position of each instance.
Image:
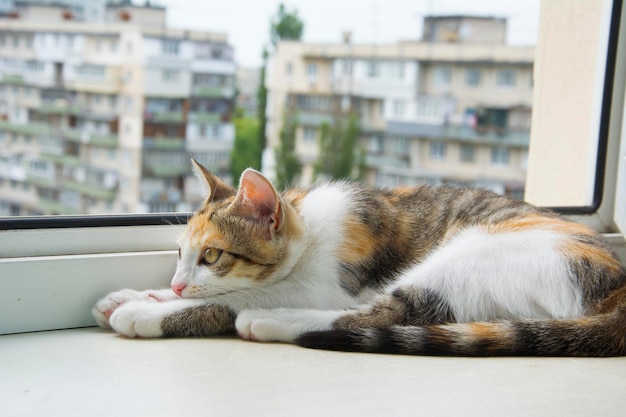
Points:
(453, 108)
(102, 116)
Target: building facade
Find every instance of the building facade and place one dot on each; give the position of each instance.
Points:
(453, 108)
(102, 116)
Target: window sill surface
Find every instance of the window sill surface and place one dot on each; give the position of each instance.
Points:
(92, 372)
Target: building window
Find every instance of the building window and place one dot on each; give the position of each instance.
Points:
(467, 153)
(437, 150)
(399, 107)
(394, 70)
(373, 69)
(309, 135)
(90, 71)
(443, 76)
(472, 77)
(170, 46)
(505, 78)
(500, 156)
(289, 69)
(375, 145)
(311, 70)
(346, 67)
(170, 75)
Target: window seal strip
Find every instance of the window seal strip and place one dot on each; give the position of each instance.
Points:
(65, 222)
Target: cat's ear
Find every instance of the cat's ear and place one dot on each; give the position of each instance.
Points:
(258, 200)
(213, 188)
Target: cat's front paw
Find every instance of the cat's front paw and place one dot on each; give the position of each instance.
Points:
(138, 319)
(105, 307)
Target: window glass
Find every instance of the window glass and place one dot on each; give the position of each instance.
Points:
(106, 122)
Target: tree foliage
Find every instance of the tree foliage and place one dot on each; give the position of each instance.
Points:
(339, 156)
(261, 109)
(285, 25)
(247, 148)
(288, 166)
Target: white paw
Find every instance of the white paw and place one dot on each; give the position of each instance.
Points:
(104, 308)
(282, 325)
(138, 319)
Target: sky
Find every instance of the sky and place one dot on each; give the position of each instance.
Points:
(247, 22)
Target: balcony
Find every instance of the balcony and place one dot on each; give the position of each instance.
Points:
(97, 191)
(166, 167)
(61, 107)
(484, 136)
(33, 129)
(50, 206)
(12, 167)
(206, 117)
(89, 138)
(68, 160)
(165, 117)
(171, 195)
(12, 79)
(206, 91)
(51, 145)
(308, 118)
(164, 143)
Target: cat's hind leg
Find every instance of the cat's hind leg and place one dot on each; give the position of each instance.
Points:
(404, 306)
(283, 324)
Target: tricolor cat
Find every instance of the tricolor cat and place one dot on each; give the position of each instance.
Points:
(345, 266)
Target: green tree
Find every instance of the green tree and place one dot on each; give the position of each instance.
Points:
(340, 157)
(246, 150)
(285, 26)
(261, 109)
(288, 166)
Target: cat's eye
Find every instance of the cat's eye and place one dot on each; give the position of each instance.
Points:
(179, 253)
(211, 255)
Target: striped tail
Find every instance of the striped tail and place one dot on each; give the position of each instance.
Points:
(600, 335)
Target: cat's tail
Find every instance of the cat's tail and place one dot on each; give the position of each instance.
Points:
(599, 335)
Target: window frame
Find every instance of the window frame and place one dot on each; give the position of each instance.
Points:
(610, 110)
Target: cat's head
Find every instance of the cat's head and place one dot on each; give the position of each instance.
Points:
(237, 239)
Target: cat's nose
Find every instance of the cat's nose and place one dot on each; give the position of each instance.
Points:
(178, 288)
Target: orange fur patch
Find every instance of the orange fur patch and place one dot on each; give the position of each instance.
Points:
(615, 300)
(570, 247)
(358, 242)
(243, 269)
(294, 197)
(537, 221)
(593, 254)
(497, 334)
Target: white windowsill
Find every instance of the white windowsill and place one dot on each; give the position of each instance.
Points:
(90, 372)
